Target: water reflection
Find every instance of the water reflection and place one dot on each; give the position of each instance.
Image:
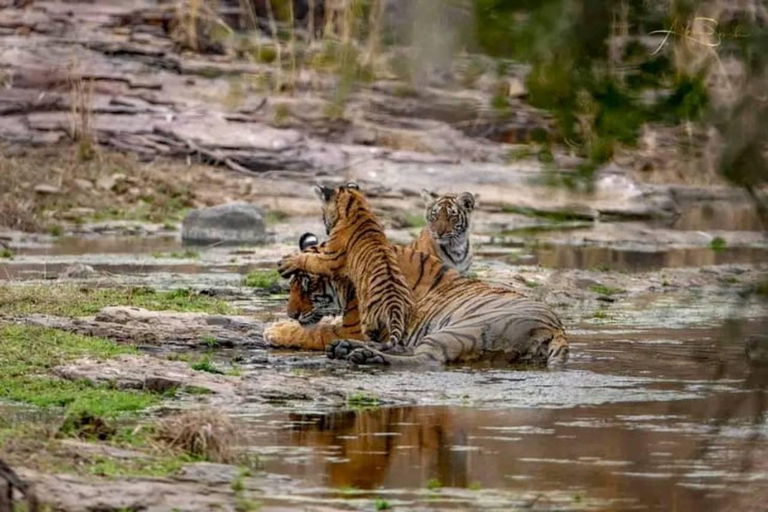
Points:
(719, 215)
(642, 456)
(686, 454)
(590, 258)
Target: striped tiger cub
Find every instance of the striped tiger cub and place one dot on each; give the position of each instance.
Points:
(358, 250)
(446, 235)
(455, 319)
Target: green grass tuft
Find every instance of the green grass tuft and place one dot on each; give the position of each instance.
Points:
(262, 279)
(27, 354)
(601, 289)
(6, 254)
(362, 401)
(433, 484)
(718, 244)
(72, 301)
(380, 504)
(206, 365)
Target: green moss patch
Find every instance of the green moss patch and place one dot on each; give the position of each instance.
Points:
(262, 279)
(27, 354)
(71, 301)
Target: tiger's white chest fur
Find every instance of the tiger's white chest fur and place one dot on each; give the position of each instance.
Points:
(456, 254)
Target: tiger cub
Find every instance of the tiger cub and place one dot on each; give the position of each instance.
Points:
(358, 250)
(455, 319)
(446, 235)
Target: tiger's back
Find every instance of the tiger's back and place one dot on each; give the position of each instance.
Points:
(385, 300)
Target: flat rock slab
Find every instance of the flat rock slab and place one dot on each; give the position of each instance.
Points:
(74, 493)
(232, 223)
(140, 326)
(227, 392)
(147, 373)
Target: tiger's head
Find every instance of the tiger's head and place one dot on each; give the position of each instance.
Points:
(337, 202)
(448, 216)
(311, 297)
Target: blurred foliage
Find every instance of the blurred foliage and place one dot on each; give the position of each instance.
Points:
(599, 97)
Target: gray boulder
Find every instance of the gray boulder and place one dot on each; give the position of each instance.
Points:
(228, 223)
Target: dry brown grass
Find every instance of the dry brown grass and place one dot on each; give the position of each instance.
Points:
(155, 192)
(81, 113)
(201, 433)
(197, 26)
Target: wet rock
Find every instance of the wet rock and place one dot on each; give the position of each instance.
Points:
(229, 223)
(757, 349)
(73, 493)
(78, 271)
(140, 326)
(148, 373)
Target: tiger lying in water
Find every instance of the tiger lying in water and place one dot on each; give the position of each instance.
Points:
(455, 319)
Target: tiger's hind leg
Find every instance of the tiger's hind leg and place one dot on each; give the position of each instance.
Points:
(367, 354)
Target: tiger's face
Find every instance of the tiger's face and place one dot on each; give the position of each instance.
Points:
(311, 297)
(333, 199)
(448, 216)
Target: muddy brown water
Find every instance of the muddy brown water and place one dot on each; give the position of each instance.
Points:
(642, 419)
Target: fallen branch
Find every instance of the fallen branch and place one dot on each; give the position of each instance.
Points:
(12, 481)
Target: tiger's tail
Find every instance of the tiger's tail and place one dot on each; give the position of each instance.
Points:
(396, 328)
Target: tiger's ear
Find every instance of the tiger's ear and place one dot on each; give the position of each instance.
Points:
(308, 240)
(428, 196)
(467, 201)
(324, 193)
(353, 185)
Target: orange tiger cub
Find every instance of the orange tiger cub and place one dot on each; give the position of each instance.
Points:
(446, 235)
(358, 250)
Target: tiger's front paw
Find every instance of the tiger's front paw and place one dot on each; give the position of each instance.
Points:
(366, 356)
(283, 334)
(289, 265)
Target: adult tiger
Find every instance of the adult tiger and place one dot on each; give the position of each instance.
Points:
(455, 319)
(357, 250)
(446, 235)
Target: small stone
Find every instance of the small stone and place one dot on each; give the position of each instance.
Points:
(77, 213)
(158, 384)
(228, 223)
(47, 190)
(109, 182)
(83, 184)
(515, 88)
(78, 271)
(757, 349)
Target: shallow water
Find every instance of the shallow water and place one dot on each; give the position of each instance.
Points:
(643, 419)
(657, 409)
(610, 258)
